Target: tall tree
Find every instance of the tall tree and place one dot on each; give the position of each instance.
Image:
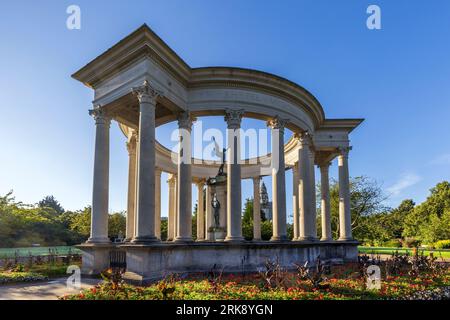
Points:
(51, 202)
(429, 221)
(366, 198)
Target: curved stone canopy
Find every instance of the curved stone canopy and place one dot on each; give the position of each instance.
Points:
(206, 92)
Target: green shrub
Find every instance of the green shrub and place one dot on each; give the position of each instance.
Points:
(411, 243)
(16, 277)
(393, 243)
(442, 244)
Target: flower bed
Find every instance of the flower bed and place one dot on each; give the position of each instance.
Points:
(15, 277)
(342, 283)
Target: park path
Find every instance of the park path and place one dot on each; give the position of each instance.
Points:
(46, 290)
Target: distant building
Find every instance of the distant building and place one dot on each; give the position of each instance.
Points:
(266, 205)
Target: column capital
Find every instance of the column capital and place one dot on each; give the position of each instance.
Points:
(131, 142)
(185, 120)
(257, 181)
(324, 165)
(146, 93)
(277, 123)
(100, 115)
(343, 151)
(158, 172)
(304, 138)
(201, 183)
(233, 118)
(171, 178)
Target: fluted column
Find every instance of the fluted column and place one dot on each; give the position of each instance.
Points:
(295, 209)
(209, 219)
(200, 212)
(278, 180)
(304, 187)
(100, 193)
(345, 223)
(171, 214)
(184, 179)
(234, 206)
(325, 202)
(131, 205)
(158, 203)
(313, 219)
(145, 215)
(256, 209)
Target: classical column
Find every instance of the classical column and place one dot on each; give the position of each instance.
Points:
(278, 180)
(100, 193)
(234, 206)
(209, 219)
(256, 209)
(325, 202)
(295, 209)
(131, 205)
(304, 187)
(145, 215)
(158, 203)
(200, 212)
(175, 203)
(171, 214)
(345, 223)
(184, 193)
(313, 219)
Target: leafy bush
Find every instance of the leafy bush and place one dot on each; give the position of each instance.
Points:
(442, 244)
(411, 243)
(14, 277)
(393, 243)
(397, 263)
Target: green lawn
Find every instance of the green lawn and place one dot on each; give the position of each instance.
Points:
(386, 250)
(35, 251)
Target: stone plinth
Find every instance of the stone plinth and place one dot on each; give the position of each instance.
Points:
(147, 263)
(95, 257)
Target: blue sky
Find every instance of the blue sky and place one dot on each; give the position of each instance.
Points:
(398, 78)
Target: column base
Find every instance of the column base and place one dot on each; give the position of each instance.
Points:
(234, 239)
(144, 240)
(346, 239)
(279, 238)
(100, 240)
(326, 239)
(183, 239)
(306, 238)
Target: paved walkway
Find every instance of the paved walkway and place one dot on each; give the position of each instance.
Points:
(45, 290)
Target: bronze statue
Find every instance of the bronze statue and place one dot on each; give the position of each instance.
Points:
(216, 206)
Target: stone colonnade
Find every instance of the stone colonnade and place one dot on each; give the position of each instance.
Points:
(144, 211)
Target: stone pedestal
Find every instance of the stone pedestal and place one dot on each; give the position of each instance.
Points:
(95, 257)
(147, 263)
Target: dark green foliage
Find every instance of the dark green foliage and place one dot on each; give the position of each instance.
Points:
(410, 224)
(51, 202)
(23, 225)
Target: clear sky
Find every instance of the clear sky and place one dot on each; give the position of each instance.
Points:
(397, 78)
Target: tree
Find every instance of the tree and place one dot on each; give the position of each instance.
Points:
(366, 199)
(395, 220)
(429, 221)
(117, 224)
(80, 223)
(51, 202)
(247, 219)
(247, 216)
